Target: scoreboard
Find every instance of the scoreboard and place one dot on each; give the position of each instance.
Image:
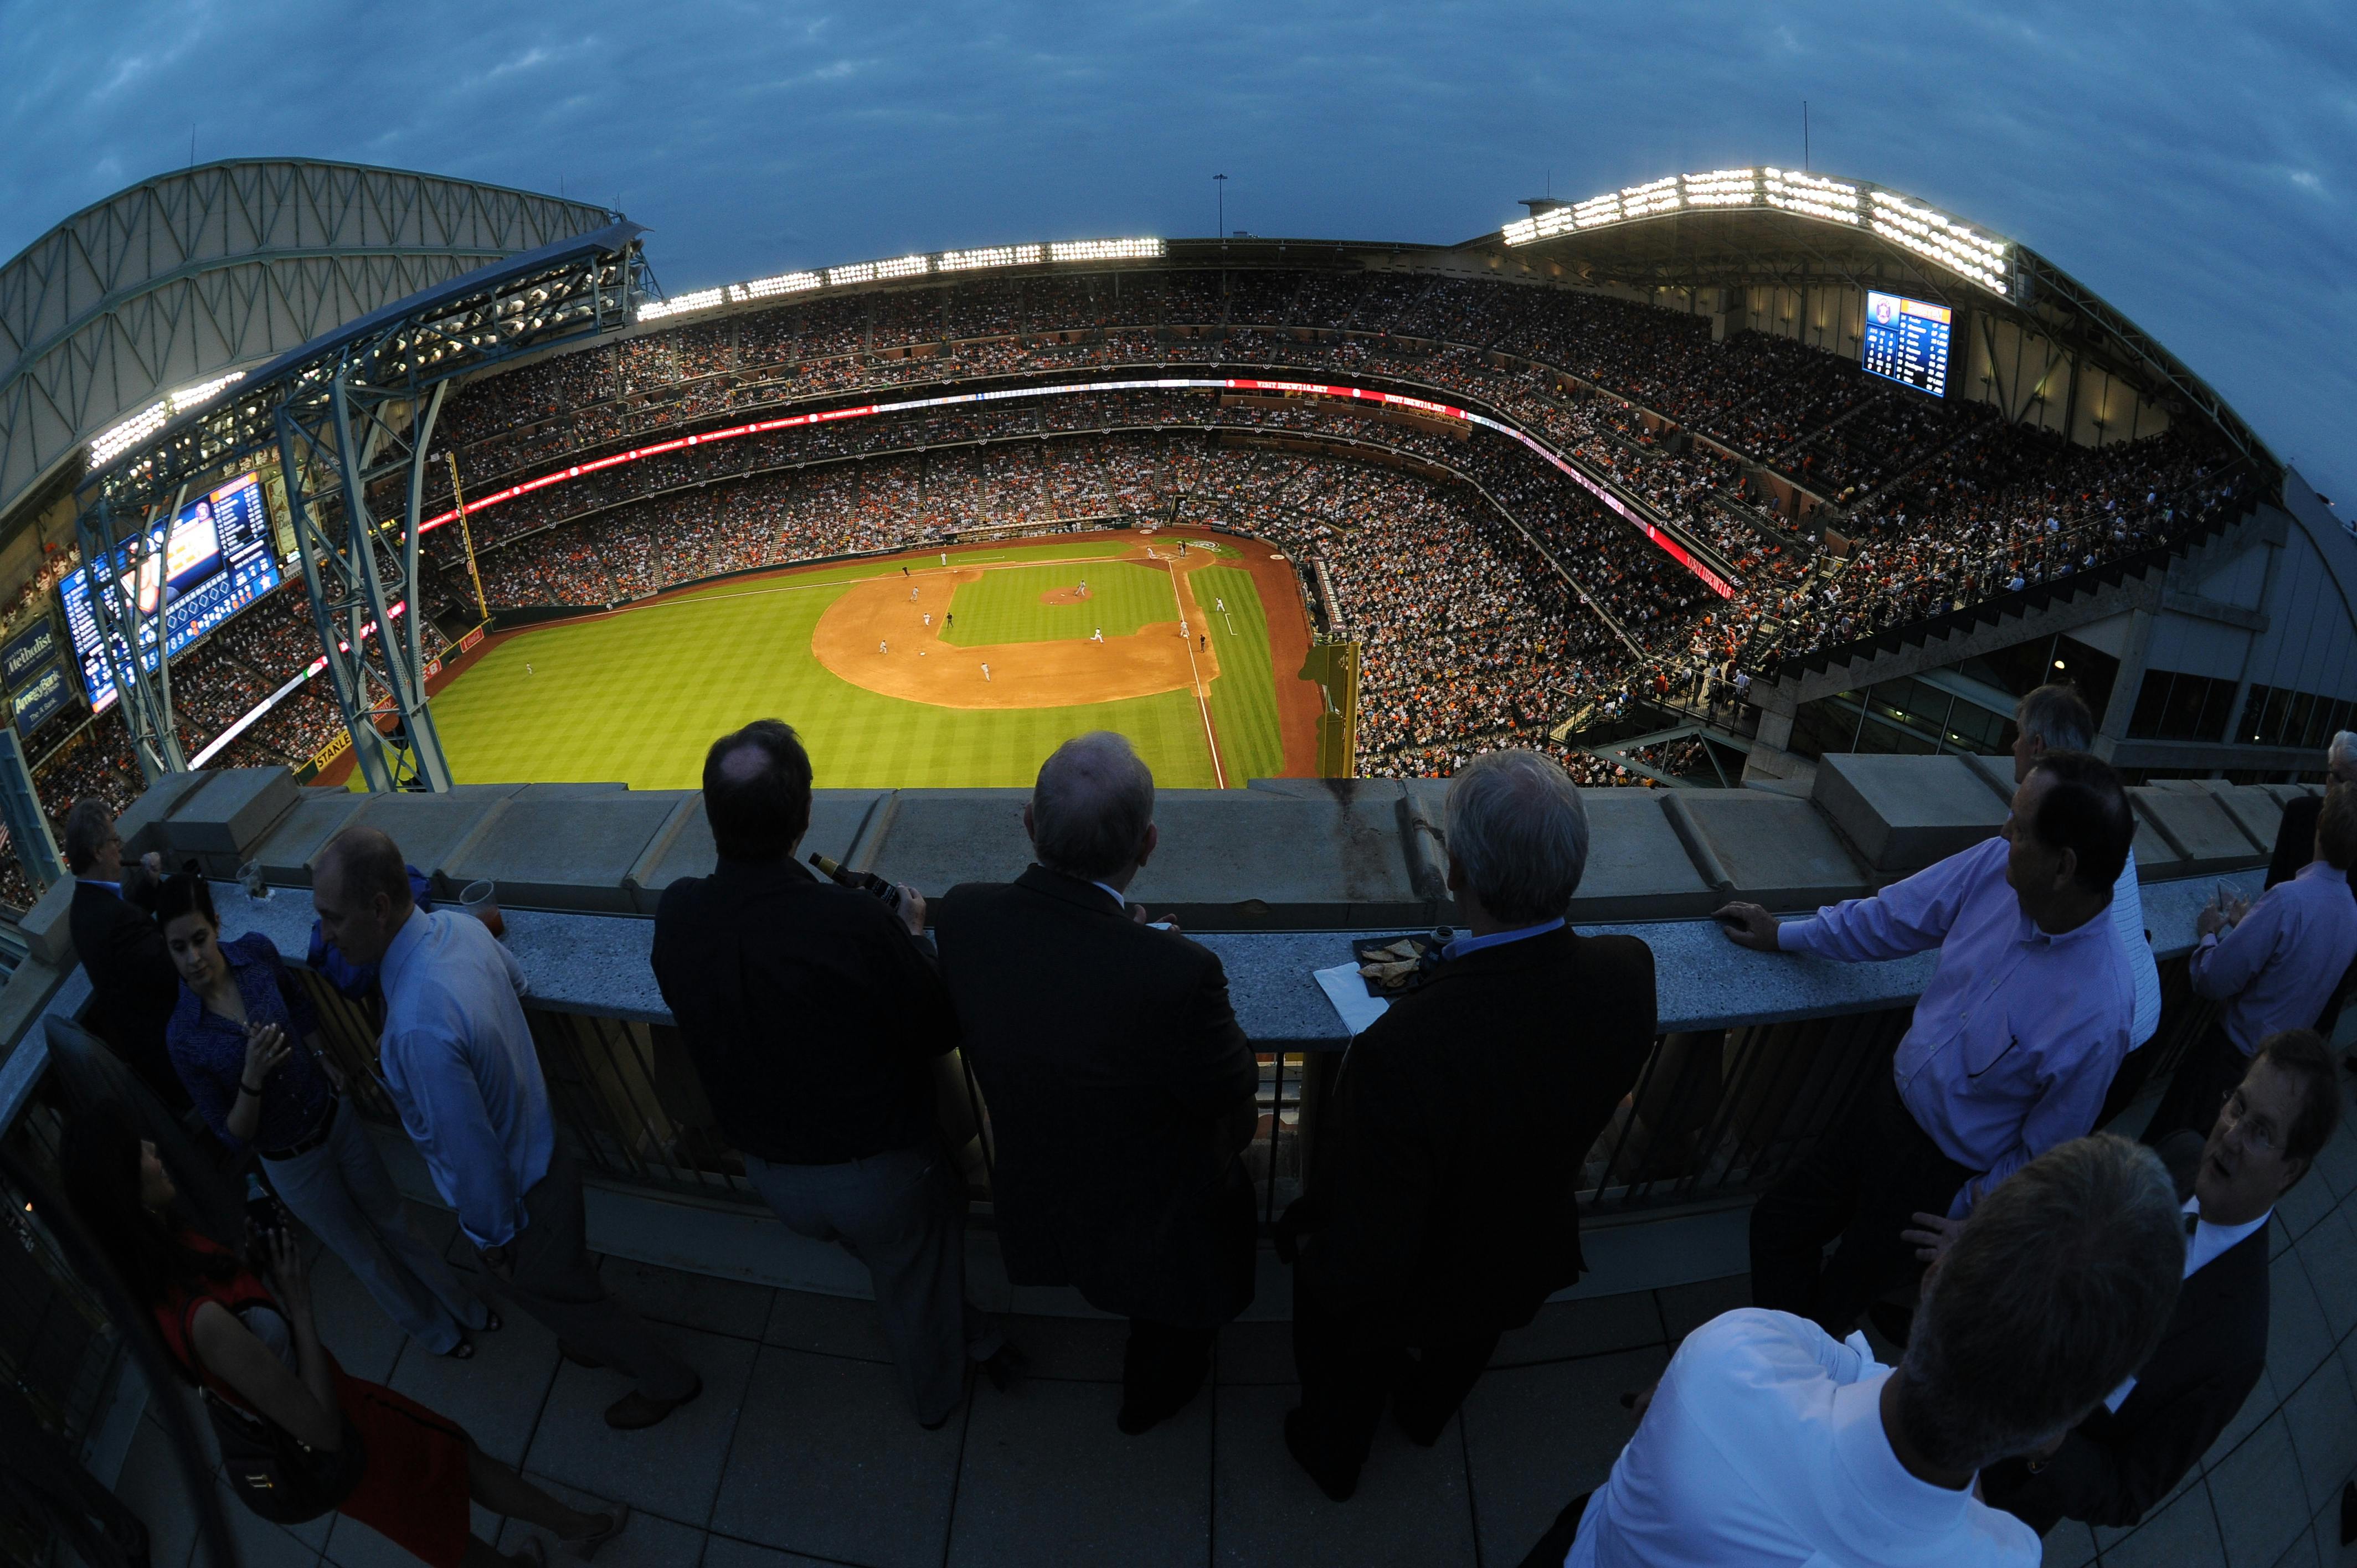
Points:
(1907, 341)
(213, 560)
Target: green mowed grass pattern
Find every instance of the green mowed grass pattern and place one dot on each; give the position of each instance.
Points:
(1003, 606)
(1243, 699)
(638, 697)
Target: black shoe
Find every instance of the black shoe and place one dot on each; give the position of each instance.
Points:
(1136, 1419)
(635, 1412)
(1417, 1427)
(1001, 1365)
(1142, 1414)
(1336, 1485)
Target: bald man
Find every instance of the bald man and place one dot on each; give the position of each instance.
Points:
(458, 1060)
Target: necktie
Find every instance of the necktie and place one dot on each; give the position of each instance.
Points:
(2190, 1221)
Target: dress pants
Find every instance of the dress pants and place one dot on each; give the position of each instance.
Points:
(902, 1213)
(341, 1193)
(553, 1280)
(1863, 1184)
(1163, 1366)
(2213, 1070)
(1350, 1364)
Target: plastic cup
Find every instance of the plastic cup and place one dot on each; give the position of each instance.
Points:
(481, 899)
(249, 876)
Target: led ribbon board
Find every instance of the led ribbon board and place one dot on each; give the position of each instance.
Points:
(909, 266)
(1603, 493)
(213, 561)
(1907, 341)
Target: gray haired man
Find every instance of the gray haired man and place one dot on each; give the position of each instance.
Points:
(1441, 1213)
(1121, 1090)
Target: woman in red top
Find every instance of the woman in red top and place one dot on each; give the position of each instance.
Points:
(255, 1345)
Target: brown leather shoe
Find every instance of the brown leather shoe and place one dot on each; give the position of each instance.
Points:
(634, 1411)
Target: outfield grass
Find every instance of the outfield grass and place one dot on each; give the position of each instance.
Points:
(638, 696)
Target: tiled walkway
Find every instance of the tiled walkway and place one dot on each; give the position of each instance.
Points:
(799, 1450)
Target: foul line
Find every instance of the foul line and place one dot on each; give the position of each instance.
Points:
(1203, 706)
(1194, 671)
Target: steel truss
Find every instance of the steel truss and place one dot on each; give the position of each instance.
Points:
(351, 419)
(143, 681)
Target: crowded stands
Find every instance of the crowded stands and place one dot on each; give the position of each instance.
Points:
(1493, 596)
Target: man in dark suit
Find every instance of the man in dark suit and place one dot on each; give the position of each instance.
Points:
(1441, 1208)
(134, 986)
(815, 1021)
(2127, 1455)
(1120, 1089)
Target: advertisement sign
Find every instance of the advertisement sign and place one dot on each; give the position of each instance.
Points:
(40, 697)
(25, 652)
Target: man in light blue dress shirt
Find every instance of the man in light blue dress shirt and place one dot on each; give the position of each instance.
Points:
(2013, 1041)
(458, 1060)
(2274, 964)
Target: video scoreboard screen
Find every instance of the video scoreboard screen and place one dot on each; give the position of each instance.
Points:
(1907, 341)
(213, 560)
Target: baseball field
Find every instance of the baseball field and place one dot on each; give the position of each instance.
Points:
(934, 669)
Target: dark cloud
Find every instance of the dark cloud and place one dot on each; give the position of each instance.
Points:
(2195, 163)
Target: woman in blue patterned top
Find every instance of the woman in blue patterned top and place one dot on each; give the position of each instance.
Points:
(246, 1041)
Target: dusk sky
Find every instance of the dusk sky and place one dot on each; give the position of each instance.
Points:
(2194, 164)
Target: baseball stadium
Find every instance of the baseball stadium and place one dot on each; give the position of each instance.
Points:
(1816, 532)
(1689, 483)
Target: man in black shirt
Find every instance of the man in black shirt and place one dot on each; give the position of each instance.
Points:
(815, 1020)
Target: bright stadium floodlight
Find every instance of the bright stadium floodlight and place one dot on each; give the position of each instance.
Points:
(990, 256)
(904, 267)
(125, 434)
(1812, 196)
(1721, 188)
(1104, 249)
(858, 272)
(770, 288)
(1931, 233)
(702, 299)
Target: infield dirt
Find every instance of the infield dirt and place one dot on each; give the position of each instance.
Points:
(876, 637)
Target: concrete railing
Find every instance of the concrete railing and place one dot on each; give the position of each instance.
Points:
(1755, 1056)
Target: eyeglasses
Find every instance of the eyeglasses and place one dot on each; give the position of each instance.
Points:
(2258, 1134)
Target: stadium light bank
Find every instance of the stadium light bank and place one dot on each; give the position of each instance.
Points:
(1983, 259)
(909, 266)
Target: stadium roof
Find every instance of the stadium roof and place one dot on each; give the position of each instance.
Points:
(427, 337)
(167, 286)
(1787, 228)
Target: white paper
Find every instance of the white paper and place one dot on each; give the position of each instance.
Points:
(1345, 988)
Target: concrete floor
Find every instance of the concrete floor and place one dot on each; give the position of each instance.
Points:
(800, 1451)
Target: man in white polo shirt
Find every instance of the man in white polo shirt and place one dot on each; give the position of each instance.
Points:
(1768, 1442)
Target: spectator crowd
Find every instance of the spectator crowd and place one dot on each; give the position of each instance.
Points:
(1538, 604)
